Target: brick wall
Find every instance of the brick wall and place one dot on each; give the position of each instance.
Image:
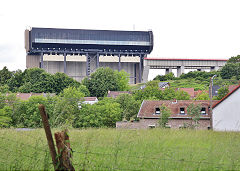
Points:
(147, 123)
(176, 123)
(142, 124)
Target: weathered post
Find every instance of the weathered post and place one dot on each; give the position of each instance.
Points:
(64, 150)
(48, 135)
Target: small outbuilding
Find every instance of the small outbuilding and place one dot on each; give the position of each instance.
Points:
(226, 113)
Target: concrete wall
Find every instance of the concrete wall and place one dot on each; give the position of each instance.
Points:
(76, 65)
(226, 115)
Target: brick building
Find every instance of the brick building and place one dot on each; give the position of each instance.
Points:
(150, 113)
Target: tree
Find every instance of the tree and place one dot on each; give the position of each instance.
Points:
(83, 89)
(202, 96)
(5, 118)
(169, 94)
(26, 113)
(164, 115)
(16, 81)
(104, 79)
(169, 76)
(229, 70)
(223, 91)
(149, 93)
(234, 59)
(62, 81)
(182, 95)
(67, 106)
(5, 75)
(195, 112)
(129, 106)
(37, 80)
(105, 113)
(4, 88)
(122, 80)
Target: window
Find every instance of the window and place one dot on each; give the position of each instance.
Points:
(203, 111)
(157, 111)
(182, 110)
(151, 126)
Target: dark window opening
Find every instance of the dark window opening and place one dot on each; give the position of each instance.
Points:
(182, 110)
(203, 111)
(157, 111)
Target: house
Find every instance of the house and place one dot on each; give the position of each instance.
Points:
(87, 100)
(226, 113)
(26, 96)
(163, 84)
(190, 91)
(90, 100)
(215, 90)
(216, 87)
(114, 94)
(150, 113)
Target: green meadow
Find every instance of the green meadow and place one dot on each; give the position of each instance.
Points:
(112, 149)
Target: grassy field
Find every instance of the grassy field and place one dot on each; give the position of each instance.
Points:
(111, 149)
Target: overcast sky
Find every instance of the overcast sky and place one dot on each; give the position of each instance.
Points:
(181, 28)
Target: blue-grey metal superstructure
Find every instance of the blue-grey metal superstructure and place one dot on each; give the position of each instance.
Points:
(90, 43)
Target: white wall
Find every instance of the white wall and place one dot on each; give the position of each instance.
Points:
(226, 115)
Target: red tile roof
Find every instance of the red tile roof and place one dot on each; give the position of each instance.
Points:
(190, 91)
(225, 97)
(114, 94)
(232, 87)
(148, 107)
(90, 98)
(26, 96)
(184, 59)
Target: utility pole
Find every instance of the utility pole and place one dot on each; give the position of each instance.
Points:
(210, 95)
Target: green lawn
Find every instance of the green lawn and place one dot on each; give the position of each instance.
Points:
(111, 149)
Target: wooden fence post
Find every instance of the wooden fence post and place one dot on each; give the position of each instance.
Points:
(48, 135)
(64, 150)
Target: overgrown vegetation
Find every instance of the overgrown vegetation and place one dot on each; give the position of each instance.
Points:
(194, 111)
(66, 107)
(111, 149)
(164, 116)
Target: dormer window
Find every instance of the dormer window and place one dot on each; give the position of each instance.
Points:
(203, 111)
(157, 111)
(182, 110)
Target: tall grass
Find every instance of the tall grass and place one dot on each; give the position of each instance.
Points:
(111, 149)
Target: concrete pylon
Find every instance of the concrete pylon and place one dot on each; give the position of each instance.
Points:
(145, 74)
(168, 70)
(214, 68)
(180, 70)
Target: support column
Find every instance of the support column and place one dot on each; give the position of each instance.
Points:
(180, 70)
(135, 73)
(168, 70)
(65, 63)
(97, 61)
(119, 62)
(214, 68)
(145, 73)
(140, 69)
(41, 60)
(87, 65)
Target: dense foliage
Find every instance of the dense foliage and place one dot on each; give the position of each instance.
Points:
(34, 80)
(154, 93)
(164, 116)
(105, 79)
